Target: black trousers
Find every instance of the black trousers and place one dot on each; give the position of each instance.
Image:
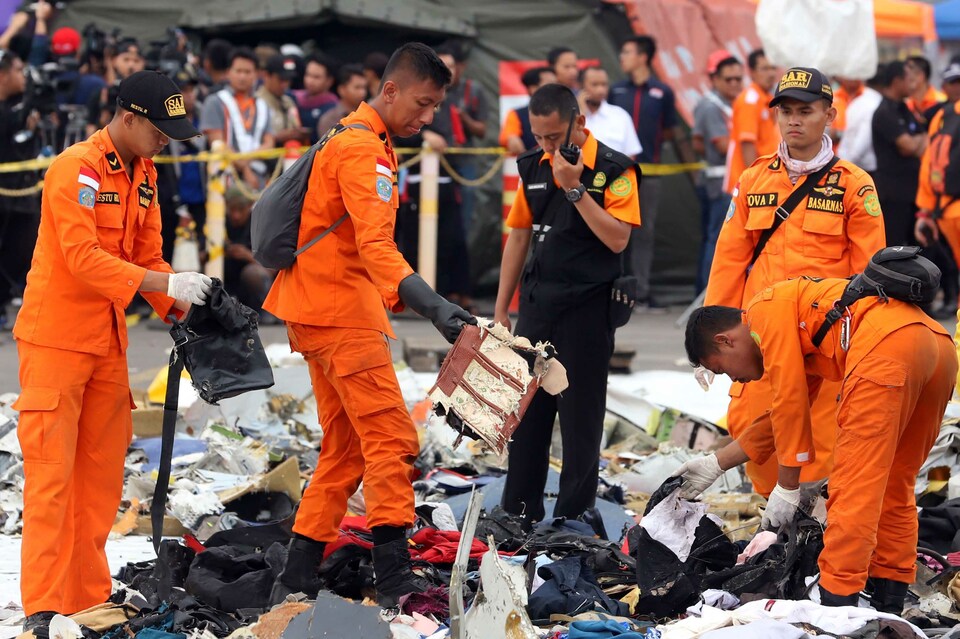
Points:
(898, 222)
(18, 237)
(584, 341)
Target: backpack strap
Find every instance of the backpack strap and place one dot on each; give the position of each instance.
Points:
(784, 211)
(158, 506)
(337, 130)
(850, 295)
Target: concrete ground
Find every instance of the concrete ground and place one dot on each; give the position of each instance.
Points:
(657, 340)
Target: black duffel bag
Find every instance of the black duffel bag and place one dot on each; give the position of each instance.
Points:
(219, 345)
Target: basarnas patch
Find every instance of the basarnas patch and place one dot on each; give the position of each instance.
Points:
(87, 197)
(872, 205)
(384, 188)
(621, 186)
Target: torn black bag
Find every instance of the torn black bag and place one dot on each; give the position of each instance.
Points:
(221, 349)
(229, 579)
(781, 570)
(667, 585)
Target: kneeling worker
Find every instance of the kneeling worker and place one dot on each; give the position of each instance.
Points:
(832, 232)
(898, 368)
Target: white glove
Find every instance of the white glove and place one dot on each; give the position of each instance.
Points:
(704, 377)
(192, 288)
(781, 507)
(698, 475)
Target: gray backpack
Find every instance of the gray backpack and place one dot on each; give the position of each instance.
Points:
(275, 220)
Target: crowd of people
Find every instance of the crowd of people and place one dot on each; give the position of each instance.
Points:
(59, 86)
(273, 96)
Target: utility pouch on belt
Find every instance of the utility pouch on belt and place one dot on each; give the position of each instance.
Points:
(623, 297)
(897, 272)
(488, 380)
(220, 347)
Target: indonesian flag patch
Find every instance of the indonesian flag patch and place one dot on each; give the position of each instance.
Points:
(383, 168)
(89, 183)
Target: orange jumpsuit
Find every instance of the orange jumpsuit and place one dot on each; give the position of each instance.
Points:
(99, 234)
(753, 121)
(333, 300)
(927, 199)
(833, 233)
(897, 379)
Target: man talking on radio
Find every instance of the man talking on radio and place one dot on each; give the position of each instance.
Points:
(577, 205)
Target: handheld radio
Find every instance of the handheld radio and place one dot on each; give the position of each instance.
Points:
(570, 152)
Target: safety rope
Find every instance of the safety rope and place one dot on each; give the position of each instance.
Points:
(483, 179)
(500, 154)
(406, 164)
(251, 194)
(24, 192)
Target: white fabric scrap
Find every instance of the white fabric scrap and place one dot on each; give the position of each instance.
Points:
(715, 599)
(64, 628)
(189, 508)
(673, 522)
(763, 629)
(835, 621)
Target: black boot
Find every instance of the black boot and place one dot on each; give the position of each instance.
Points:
(300, 572)
(888, 596)
(38, 620)
(827, 598)
(394, 575)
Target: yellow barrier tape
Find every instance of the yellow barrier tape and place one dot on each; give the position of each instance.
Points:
(671, 169)
(266, 154)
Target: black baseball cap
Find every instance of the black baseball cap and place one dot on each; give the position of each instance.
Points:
(281, 65)
(803, 83)
(157, 98)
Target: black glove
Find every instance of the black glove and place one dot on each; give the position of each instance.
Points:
(446, 316)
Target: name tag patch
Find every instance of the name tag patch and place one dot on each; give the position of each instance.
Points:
(539, 186)
(145, 191)
(108, 198)
(755, 200)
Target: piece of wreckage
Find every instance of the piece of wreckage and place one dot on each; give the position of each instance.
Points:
(488, 380)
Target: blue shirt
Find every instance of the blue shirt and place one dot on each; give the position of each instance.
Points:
(652, 107)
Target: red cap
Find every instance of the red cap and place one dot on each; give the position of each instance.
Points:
(715, 58)
(65, 41)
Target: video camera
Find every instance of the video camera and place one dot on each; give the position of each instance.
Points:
(170, 55)
(50, 85)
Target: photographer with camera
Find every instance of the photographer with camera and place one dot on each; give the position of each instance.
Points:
(20, 214)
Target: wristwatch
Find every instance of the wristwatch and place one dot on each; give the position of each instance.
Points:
(574, 195)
